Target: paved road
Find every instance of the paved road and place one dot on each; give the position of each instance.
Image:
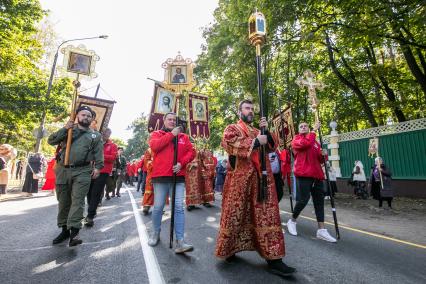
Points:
(114, 251)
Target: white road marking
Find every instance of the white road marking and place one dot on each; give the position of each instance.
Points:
(49, 247)
(152, 267)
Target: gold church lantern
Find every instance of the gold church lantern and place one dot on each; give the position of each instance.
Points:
(257, 28)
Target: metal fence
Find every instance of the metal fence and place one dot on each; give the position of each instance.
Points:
(402, 147)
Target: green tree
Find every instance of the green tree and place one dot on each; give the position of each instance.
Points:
(138, 144)
(23, 79)
(361, 51)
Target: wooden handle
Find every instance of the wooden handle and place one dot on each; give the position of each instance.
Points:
(68, 147)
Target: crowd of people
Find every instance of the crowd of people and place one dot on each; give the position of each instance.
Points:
(95, 168)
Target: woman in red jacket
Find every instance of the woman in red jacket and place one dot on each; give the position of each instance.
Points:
(162, 145)
(308, 160)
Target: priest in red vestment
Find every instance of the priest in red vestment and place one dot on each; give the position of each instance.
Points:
(199, 180)
(148, 197)
(248, 224)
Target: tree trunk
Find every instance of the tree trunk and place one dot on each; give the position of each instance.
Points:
(411, 61)
(389, 92)
(353, 86)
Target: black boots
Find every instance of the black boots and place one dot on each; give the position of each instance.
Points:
(74, 239)
(277, 266)
(65, 234)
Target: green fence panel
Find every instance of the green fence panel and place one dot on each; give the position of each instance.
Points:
(404, 153)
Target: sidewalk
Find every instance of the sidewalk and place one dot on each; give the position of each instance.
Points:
(15, 193)
(405, 221)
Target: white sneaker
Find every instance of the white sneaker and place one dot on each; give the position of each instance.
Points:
(182, 247)
(154, 239)
(291, 227)
(323, 234)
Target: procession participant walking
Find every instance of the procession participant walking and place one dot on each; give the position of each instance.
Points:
(309, 179)
(208, 166)
(49, 184)
(285, 160)
(199, 181)
(220, 175)
(148, 196)
(193, 183)
(276, 171)
(73, 181)
(33, 174)
(111, 181)
(162, 145)
(381, 175)
(121, 170)
(139, 171)
(94, 196)
(246, 223)
(129, 173)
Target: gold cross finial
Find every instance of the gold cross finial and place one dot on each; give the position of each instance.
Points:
(312, 85)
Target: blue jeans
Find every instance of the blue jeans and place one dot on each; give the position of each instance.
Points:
(160, 193)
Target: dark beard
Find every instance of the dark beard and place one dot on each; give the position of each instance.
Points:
(247, 118)
(83, 123)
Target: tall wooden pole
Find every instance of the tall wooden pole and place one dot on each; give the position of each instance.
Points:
(76, 84)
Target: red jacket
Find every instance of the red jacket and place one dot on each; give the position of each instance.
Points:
(134, 167)
(128, 169)
(144, 163)
(110, 154)
(285, 162)
(161, 144)
(307, 156)
(140, 165)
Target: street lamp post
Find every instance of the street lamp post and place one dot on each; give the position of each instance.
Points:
(49, 88)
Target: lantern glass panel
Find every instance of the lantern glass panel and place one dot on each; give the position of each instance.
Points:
(260, 25)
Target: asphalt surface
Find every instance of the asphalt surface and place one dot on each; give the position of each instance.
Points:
(112, 251)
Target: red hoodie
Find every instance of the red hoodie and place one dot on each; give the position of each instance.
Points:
(285, 162)
(307, 156)
(161, 144)
(110, 154)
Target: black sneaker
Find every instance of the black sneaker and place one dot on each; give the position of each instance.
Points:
(231, 259)
(65, 234)
(280, 268)
(208, 205)
(107, 197)
(118, 195)
(74, 238)
(88, 222)
(112, 196)
(190, 207)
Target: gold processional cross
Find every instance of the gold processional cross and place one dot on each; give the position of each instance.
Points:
(312, 85)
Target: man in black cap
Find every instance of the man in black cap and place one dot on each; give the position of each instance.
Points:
(73, 181)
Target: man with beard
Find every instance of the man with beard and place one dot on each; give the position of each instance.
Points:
(246, 223)
(73, 180)
(94, 196)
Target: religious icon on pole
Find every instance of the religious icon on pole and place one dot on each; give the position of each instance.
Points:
(178, 74)
(373, 147)
(198, 115)
(284, 127)
(103, 109)
(79, 61)
(163, 101)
